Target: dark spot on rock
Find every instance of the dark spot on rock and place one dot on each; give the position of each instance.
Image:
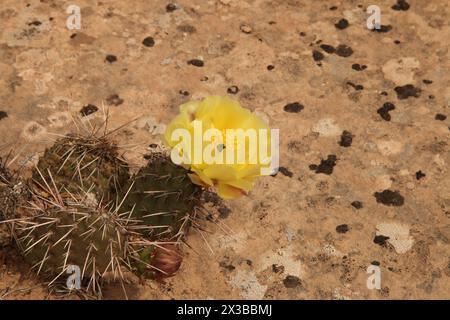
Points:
(277, 268)
(270, 67)
(346, 139)
(73, 35)
(114, 100)
(357, 204)
(426, 81)
(233, 90)
(184, 92)
(401, 5)
(196, 62)
(325, 166)
(171, 7)
(35, 23)
(88, 109)
(406, 91)
(358, 67)
(224, 212)
(286, 172)
(249, 262)
(3, 115)
(317, 55)
(291, 282)
(327, 48)
(332, 8)
(384, 93)
(111, 58)
(204, 78)
(153, 145)
(390, 198)
(420, 175)
(431, 97)
(440, 117)
(302, 34)
(187, 28)
(148, 42)
(229, 267)
(380, 239)
(383, 28)
(375, 263)
(342, 228)
(293, 107)
(384, 111)
(343, 50)
(357, 87)
(397, 41)
(341, 24)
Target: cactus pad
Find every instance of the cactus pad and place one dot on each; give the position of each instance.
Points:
(87, 162)
(162, 197)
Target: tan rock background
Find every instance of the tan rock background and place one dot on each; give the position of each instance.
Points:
(297, 235)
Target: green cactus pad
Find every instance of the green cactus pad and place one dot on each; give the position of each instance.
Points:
(73, 232)
(160, 201)
(162, 198)
(87, 162)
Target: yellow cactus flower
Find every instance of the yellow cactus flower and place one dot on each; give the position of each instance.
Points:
(224, 145)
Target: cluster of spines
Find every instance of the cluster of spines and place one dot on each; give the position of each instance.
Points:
(80, 213)
(13, 194)
(163, 204)
(69, 229)
(84, 162)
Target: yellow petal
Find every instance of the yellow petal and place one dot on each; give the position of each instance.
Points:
(221, 172)
(196, 180)
(226, 191)
(243, 184)
(249, 171)
(221, 111)
(180, 121)
(190, 107)
(203, 177)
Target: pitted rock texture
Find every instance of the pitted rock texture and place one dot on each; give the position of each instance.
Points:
(315, 71)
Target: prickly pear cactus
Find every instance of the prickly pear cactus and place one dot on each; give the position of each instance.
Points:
(161, 197)
(83, 161)
(161, 200)
(64, 233)
(70, 221)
